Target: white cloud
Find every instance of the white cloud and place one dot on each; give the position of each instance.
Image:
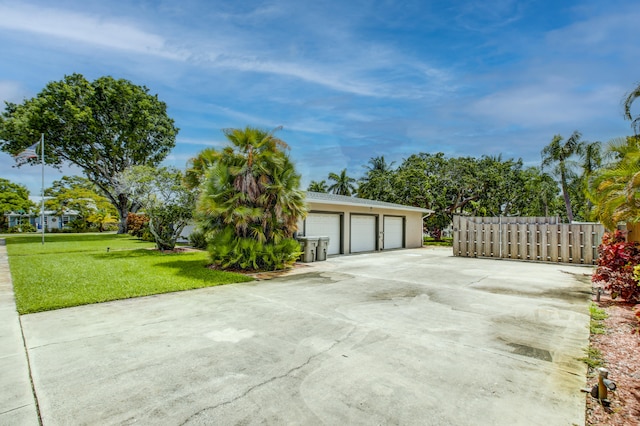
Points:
(84, 28)
(536, 105)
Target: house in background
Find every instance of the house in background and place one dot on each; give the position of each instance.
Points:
(51, 219)
(356, 225)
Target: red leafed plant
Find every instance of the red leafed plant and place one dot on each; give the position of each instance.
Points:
(616, 261)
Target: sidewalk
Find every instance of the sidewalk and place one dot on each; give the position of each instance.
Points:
(17, 403)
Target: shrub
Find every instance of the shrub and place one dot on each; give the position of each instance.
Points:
(137, 224)
(78, 225)
(198, 239)
(230, 252)
(25, 227)
(616, 261)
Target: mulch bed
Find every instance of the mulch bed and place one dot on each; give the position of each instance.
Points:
(620, 349)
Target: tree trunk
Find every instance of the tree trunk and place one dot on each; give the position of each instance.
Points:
(123, 212)
(565, 195)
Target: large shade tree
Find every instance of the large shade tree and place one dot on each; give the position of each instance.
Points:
(251, 202)
(103, 127)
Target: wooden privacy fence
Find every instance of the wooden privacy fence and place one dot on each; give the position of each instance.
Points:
(540, 239)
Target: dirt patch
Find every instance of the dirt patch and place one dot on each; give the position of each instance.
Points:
(620, 350)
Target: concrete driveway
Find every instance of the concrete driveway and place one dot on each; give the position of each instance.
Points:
(403, 337)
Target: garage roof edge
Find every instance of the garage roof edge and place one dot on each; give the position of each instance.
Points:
(354, 201)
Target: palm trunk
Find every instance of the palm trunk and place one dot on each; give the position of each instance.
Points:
(565, 195)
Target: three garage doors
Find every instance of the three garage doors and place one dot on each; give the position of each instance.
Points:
(363, 231)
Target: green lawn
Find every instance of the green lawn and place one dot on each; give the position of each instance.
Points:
(446, 241)
(76, 269)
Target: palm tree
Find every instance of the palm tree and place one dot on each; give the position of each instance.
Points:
(344, 185)
(378, 165)
(559, 154)
(631, 97)
(316, 186)
(198, 166)
(615, 189)
(377, 182)
(251, 199)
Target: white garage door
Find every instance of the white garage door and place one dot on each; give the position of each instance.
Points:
(325, 225)
(363, 233)
(393, 232)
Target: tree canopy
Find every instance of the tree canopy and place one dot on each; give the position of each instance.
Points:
(103, 127)
(343, 183)
(14, 197)
(82, 196)
(557, 155)
(615, 189)
(164, 198)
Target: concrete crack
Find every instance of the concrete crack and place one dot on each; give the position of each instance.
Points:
(272, 379)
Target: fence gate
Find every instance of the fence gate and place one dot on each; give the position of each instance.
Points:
(540, 239)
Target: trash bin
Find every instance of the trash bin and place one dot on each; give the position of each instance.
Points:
(323, 247)
(309, 246)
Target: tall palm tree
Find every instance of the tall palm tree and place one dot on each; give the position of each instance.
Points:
(344, 185)
(631, 97)
(316, 186)
(558, 154)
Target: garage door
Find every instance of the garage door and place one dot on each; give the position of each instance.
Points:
(393, 232)
(363, 233)
(325, 225)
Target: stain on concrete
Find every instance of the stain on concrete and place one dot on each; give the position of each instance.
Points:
(398, 293)
(316, 277)
(571, 295)
(531, 352)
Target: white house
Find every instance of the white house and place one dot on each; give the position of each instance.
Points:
(51, 219)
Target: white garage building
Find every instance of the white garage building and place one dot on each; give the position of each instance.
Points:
(356, 225)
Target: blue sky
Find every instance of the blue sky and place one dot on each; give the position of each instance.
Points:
(347, 80)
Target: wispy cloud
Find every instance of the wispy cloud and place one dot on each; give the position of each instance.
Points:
(84, 28)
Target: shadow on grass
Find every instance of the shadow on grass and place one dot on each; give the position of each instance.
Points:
(197, 269)
(126, 253)
(65, 238)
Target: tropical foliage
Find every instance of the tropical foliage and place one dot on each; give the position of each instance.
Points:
(13, 198)
(616, 262)
(318, 186)
(615, 189)
(80, 195)
(557, 156)
(629, 100)
(103, 127)
(250, 203)
(342, 184)
(485, 186)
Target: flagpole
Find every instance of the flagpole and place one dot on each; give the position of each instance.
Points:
(42, 191)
